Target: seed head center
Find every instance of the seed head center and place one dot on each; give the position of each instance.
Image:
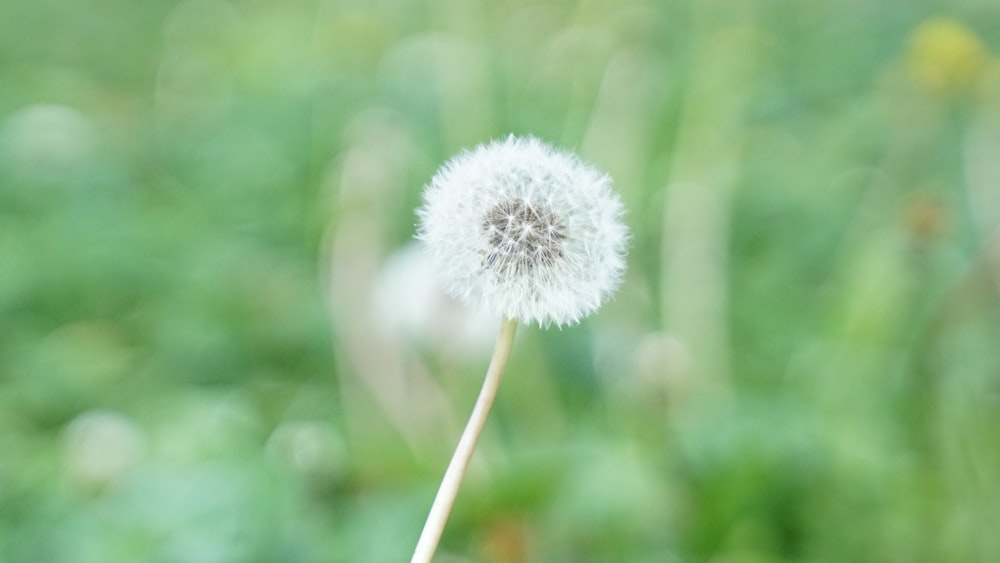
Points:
(522, 236)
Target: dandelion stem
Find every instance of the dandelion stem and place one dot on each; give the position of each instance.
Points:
(445, 498)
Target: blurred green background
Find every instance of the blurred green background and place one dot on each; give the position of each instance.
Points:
(219, 344)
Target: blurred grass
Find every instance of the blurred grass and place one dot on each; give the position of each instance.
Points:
(216, 344)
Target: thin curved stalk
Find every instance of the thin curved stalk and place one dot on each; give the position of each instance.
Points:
(438, 517)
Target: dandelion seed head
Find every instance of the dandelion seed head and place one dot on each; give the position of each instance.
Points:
(531, 232)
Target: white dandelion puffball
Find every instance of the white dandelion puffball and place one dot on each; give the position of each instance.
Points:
(531, 232)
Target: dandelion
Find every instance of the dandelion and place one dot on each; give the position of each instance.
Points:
(945, 56)
(534, 235)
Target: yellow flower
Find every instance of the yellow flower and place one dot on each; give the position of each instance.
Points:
(945, 56)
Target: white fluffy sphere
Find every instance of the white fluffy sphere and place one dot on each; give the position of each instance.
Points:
(531, 232)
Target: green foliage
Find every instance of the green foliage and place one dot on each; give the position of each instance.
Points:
(212, 347)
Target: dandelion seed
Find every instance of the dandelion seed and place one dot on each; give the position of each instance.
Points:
(531, 232)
